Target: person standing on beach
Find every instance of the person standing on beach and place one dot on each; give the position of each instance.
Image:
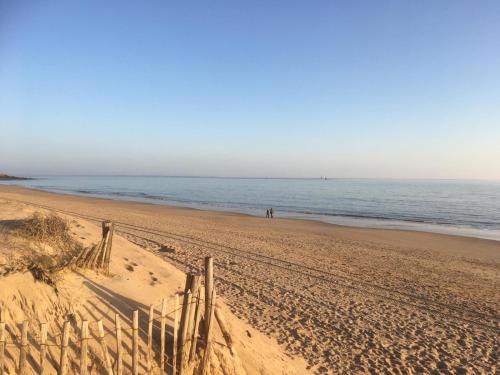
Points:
(271, 211)
(267, 214)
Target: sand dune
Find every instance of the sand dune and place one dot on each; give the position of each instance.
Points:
(138, 279)
(347, 300)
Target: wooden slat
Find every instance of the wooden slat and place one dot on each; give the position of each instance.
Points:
(149, 362)
(84, 337)
(195, 286)
(106, 227)
(110, 246)
(208, 349)
(43, 347)
(104, 348)
(183, 340)
(63, 360)
(209, 286)
(187, 287)
(194, 337)
(93, 255)
(162, 334)
(176, 334)
(135, 343)
(119, 354)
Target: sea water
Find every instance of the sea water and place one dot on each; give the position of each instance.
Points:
(470, 208)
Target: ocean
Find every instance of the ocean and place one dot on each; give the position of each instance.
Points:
(468, 208)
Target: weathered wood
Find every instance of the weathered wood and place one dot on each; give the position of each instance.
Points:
(119, 352)
(149, 362)
(106, 228)
(209, 287)
(183, 328)
(194, 337)
(135, 343)
(83, 259)
(2, 347)
(162, 334)
(23, 352)
(176, 334)
(84, 337)
(110, 246)
(76, 260)
(63, 360)
(43, 347)
(189, 280)
(102, 255)
(93, 257)
(195, 286)
(104, 348)
(97, 255)
(206, 357)
(187, 287)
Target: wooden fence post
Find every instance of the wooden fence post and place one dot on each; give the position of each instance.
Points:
(209, 286)
(107, 237)
(150, 338)
(24, 348)
(63, 361)
(135, 343)
(208, 348)
(182, 344)
(104, 347)
(110, 246)
(105, 231)
(194, 337)
(176, 333)
(84, 336)
(162, 334)
(119, 355)
(195, 286)
(2, 347)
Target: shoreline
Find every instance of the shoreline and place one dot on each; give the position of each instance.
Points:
(335, 220)
(450, 243)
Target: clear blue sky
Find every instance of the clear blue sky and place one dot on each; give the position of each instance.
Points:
(233, 88)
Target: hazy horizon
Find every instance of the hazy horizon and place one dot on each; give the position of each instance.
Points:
(263, 90)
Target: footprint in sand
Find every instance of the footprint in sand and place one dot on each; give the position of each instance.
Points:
(129, 268)
(154, 281)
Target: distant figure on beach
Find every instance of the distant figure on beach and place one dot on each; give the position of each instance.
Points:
(271, 211)
(267, 214)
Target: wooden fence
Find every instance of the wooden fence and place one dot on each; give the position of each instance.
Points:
(190, 341)
(98, 256)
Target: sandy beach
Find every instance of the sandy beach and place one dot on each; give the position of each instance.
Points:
(347, 300)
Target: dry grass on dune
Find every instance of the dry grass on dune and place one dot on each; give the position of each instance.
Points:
(41, 244)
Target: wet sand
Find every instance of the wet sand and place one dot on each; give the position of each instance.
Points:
(346, 299)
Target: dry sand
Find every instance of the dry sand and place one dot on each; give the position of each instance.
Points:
(137, 280)
(348, 300)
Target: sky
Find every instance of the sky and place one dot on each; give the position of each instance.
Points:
(380, 89)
